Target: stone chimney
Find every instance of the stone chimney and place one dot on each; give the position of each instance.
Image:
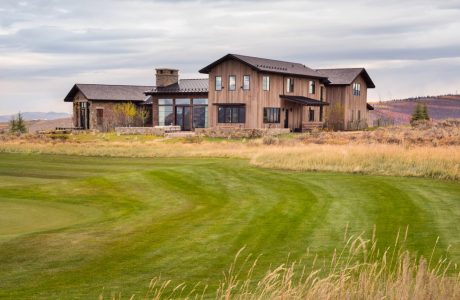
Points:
(165, 77)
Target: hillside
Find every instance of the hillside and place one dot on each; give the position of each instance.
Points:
(30, 116)
(400, 111)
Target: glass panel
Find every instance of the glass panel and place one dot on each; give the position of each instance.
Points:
(186, 122)
(266, 83)
(165, 101)
(246, 82)
(200, 101)
(179, 116)
(232, 82)
(228, 115)
(183, 101)
(218, 83)
(221, 115)
(165, 115)
(200, 117)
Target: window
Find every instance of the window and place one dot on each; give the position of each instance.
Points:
(165, 112)
(266, 83)
(99, 116)
(321, 93)
(200, 101)
(271, 115)
(231, 114)
(311, 87)
(218, 83)
(183, 101)
(200, 116)
(231, 82)
(352, 115)
(290, 85)
(359, 115)
(356, 89)
(311, 115)
(246, 82)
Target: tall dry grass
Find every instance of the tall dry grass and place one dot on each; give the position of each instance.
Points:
(357, 271)
(441, 162)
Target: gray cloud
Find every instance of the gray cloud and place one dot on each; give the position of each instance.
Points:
(54, 43)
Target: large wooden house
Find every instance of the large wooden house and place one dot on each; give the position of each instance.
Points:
(240, 92)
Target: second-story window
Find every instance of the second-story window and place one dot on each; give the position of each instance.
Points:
(231, 82)
(321, 93)
(218, 83)
(311, 87)
(290, 85)
(246, 82)
(356, 89)
(266, 83)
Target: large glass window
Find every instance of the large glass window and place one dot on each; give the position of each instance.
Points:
(218, 83)
(183, 101)
(311, 115)
(271, 115)
(231, 114)
(246, 82)
(200, 101)
(200, 116)
(231, 82)
(266, 83)
(165, 112)
(312, 87)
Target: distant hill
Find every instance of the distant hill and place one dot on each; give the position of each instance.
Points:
(400, 111)
(29, 116)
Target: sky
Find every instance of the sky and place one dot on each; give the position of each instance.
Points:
(409, 48)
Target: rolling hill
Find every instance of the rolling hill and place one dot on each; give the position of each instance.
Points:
(400, 111)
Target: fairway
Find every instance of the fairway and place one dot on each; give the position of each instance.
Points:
(75, 227)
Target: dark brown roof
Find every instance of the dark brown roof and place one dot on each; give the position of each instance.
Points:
(346, 76)
(303, 100)
(369, 107)
(183, 86)
(106, 92)
(268, 65)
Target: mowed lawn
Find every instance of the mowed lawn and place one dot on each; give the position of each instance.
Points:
(75, 227)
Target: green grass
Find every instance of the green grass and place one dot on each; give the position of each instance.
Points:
(73, 227)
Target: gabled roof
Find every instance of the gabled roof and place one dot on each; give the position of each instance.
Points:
(183, 86)
(304, 100)
(345, 76)
(268, 65)
(107, 92)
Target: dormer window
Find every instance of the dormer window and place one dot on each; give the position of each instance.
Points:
(290, 85)
(356, 89)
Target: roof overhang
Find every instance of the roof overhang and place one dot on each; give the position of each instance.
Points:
(303, 100)
(369, 107)
(229, 104)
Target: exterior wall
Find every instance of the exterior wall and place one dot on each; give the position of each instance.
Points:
(255, 99)
(341, 104)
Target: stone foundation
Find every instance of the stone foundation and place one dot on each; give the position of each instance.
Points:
(225, 132)
(157, 130)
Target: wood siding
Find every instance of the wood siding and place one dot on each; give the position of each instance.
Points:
(256, 99)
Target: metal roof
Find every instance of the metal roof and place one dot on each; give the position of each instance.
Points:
(183, 86)
(345, 76)
(107, 92)
(303, 100)
(268, 65)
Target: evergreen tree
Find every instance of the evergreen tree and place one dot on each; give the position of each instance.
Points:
(418, 114)
(18, 125)
(424, 113)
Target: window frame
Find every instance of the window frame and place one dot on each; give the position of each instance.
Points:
(265, 83)
(215, 83)
(230, 77)
(231, 114)
(271, 115)
(311, 115)
(249, 82)
(290, 85)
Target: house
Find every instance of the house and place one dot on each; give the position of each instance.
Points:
(93, 104)
(240, 92)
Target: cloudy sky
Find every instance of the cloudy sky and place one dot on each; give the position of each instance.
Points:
(409, 47)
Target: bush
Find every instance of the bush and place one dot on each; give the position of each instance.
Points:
(18, 125)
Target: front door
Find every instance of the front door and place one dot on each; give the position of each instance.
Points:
(183, 118)
(286, 118)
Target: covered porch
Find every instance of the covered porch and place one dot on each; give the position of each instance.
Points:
(306, 113)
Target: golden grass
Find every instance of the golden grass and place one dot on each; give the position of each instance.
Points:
(357, 271)
(441, 162)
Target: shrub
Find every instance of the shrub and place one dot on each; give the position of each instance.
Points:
(17, 125)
